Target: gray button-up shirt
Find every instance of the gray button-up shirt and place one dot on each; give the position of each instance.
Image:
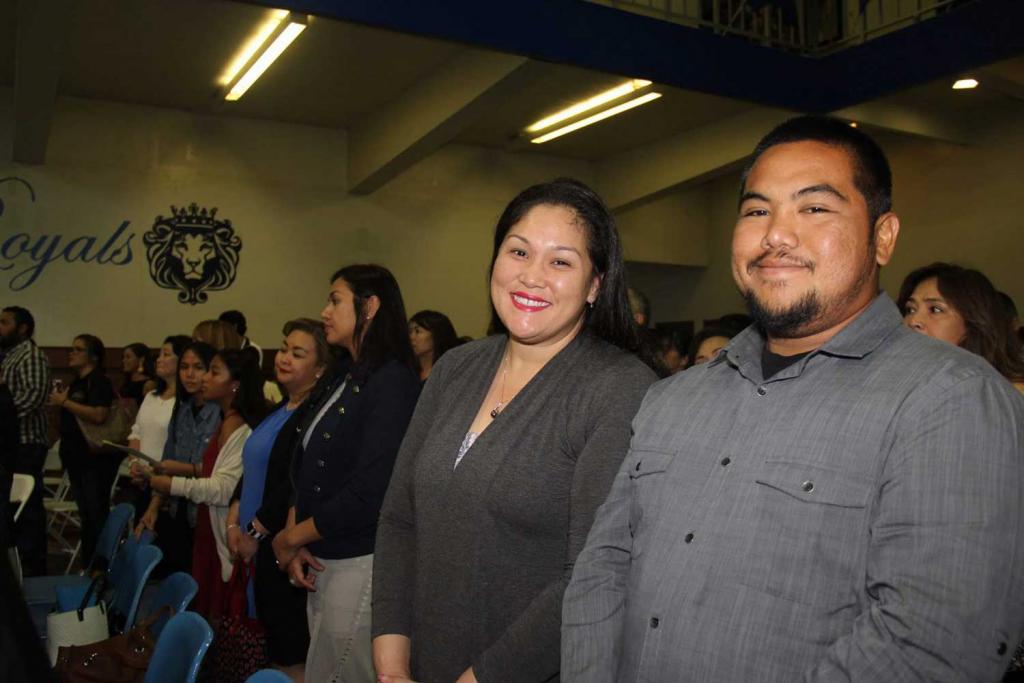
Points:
(856, 517)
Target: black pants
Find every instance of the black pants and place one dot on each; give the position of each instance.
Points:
(30, 531)
(92, 476)
(174, 538)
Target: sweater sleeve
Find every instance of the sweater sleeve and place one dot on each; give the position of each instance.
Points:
(218, 487)
(394, 564)
(530, 647)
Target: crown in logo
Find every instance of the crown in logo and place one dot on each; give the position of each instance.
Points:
(193, 218)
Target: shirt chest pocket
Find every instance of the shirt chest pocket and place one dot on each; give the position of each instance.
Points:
(808, 534)
(648, 474)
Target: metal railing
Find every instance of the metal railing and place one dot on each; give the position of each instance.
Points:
(812, 30)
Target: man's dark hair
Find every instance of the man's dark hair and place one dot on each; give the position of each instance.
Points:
(237, 319)
(871, 172)
(22, 316)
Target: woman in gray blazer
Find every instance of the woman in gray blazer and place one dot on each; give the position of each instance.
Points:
(513, 445)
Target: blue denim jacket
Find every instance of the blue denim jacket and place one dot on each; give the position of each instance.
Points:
(187, 437)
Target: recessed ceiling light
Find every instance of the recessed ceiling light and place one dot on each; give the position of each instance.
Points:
(588, 104)
(600, 116)
(965, 84)
(853, 124)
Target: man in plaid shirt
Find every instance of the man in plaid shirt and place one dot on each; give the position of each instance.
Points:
(27, 375)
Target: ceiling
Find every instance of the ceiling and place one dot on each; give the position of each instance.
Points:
(169, 53)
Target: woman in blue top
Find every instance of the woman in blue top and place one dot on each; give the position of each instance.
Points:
(192, 424)
(299, 363)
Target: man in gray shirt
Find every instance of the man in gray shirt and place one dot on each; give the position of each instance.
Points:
(834, 497)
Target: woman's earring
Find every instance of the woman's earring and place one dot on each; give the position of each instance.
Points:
(234, 390)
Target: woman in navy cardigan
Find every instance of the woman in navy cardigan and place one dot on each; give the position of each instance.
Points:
(345, 451)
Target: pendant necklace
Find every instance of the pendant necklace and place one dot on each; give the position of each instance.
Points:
(501, 397)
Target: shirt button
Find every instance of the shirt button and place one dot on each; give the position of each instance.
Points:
(654, 622)
(341, 410)
(355, 389)
(761, 391)
(1001, 650)
(327, 436)
(316, 488)
(725, 462)
(807, 486)
(321, 463)
(687, 538)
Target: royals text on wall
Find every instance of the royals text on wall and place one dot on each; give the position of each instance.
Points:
(26, 251)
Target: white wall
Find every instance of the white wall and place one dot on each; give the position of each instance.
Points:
(282, 187)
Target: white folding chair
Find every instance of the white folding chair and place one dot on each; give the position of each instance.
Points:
(61, 514)
(21, 490)
(52, 470)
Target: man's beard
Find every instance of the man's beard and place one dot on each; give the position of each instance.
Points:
(8, 341)
(810, 314)
(786, 323)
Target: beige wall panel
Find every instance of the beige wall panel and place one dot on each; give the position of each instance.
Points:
(671, 230)
(956, 202)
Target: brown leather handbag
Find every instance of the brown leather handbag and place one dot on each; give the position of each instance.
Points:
(120, 659)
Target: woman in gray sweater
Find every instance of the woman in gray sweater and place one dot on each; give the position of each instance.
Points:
(513, 446)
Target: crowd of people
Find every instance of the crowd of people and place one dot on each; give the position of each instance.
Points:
(812, 491)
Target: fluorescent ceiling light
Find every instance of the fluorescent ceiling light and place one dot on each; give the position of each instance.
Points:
(586, 105)
(279, 39)
(254, 43)
(965, 84)
(600, 116)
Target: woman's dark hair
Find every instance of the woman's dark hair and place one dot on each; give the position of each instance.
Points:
(141, 352)
(610, 317)
(972, 295)
(702, 336)
(387, 335)
(248, 400)
(325, 353)
(205, 353)
(440, 328)
(95, 349)
(178, 343)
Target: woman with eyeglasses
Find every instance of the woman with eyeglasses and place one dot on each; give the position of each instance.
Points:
(88, 399)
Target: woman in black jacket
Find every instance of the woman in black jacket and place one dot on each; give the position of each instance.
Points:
(341, 468)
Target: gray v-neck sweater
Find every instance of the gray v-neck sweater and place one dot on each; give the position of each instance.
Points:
(471, 562)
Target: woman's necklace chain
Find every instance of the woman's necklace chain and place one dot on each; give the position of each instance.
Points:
(501, 396)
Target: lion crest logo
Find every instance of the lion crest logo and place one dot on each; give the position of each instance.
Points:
(193, 252)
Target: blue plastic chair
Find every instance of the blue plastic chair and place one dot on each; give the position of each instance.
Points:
(129, 585)
(268, 676)
(176, 591)
(123, 559)
(42, 590)
(180, 650)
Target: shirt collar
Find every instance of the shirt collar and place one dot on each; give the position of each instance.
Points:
(862, 336)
